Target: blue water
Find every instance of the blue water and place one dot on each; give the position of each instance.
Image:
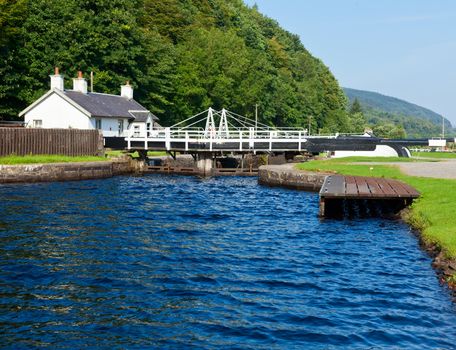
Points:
(181, 262)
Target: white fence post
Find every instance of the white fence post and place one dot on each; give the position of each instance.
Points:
(251, 137)
(299, 141)
(129, 138)
(240, 140)
(270, 141)
(186, 141)
(168, 139)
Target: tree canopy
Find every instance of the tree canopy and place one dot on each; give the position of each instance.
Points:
(181, 55)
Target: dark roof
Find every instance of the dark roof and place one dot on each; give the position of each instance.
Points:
(104, 105)
(141, 116)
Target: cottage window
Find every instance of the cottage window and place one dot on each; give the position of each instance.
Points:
(121, 126)
(98, 124)
(37, 123)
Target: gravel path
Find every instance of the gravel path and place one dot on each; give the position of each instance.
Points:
(445, 169)
(441, 170)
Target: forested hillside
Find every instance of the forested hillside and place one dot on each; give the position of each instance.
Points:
(379, 109)
(181, 55)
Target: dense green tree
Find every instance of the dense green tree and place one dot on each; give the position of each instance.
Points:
(389, 131)
(12, 13)
(181, 55)
(357, 122)
(356, 107)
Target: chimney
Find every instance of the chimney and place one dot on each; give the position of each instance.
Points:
(126, 91)
(56, 80)
(80, 84)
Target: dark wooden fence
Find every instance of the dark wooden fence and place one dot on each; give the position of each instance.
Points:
(69, 142)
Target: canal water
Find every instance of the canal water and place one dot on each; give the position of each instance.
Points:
(182, 262)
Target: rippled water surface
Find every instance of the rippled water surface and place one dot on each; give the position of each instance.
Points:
(180, 262)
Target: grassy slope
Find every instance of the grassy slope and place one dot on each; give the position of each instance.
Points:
(37, 159)
(434, 155)
(433, 213)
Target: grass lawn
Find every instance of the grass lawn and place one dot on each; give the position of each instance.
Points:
(434, 155)
(434, 213)
(372, 159)
(43, 158)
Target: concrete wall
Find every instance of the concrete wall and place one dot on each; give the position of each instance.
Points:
(67, 171)
(288, 176)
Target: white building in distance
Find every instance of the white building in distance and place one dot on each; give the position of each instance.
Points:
(114, 115)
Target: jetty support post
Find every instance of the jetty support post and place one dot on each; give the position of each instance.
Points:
(322, 206)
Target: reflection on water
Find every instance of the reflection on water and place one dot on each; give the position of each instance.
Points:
(179, 262)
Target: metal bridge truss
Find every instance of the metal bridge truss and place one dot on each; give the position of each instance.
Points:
(222, 130)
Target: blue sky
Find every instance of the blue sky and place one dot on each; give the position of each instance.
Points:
(400, 48)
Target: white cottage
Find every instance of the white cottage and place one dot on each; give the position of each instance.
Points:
(114, 115)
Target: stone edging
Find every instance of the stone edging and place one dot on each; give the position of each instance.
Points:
(287, 176)
(66, 171)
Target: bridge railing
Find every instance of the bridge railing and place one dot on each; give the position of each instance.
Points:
(211, 137)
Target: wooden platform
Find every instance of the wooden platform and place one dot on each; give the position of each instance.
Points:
(338, 187)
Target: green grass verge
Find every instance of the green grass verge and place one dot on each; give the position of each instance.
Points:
(434, 213)
(359, 159)
(43, 158)
(434, 155)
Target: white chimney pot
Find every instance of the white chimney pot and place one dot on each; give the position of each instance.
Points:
(80, 84)
(126, 91)
(57, 80)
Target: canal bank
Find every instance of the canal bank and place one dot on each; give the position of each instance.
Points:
(70, 171)
(286, 175)
(431, 216)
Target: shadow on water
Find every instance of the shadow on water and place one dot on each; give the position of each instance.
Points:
(363, 208)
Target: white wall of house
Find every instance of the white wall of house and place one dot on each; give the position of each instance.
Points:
(110, 126)
(55, 112)
(138, 129)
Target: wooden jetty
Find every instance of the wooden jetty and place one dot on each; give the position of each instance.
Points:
(336, 189)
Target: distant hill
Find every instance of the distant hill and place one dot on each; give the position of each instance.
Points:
(416, 120)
